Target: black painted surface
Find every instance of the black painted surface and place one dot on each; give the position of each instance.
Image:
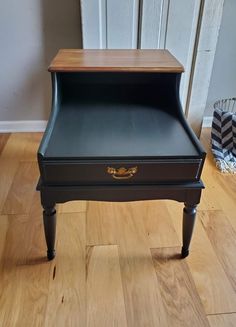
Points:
(104, 115)
(151, 172)
(49, 221)
(117, 131)
(189, 215)
(118, 120)
(182, 192)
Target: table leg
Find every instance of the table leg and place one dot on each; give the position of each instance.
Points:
(189, 215)
(49, 220)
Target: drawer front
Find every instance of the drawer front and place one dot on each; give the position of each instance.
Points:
(118, 172)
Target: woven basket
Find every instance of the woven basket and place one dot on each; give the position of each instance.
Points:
(223, 135)
(228, 105)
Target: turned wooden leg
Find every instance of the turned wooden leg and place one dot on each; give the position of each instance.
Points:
(49, 220)
(189, 215)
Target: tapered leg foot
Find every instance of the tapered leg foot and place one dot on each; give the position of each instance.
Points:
(189, 216)
(49, 219)
(51, 254)
(184, 252)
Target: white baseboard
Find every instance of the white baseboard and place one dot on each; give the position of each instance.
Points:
(207, 121)
(15, 126)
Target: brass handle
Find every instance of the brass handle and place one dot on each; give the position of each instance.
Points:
(122, 172)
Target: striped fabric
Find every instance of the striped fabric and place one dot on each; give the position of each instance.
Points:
(223, 140)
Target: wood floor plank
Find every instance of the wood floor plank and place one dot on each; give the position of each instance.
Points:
(13, 257)
(100, 224)
(8, 169)
(20, 195)
(159, 230)
(214, 288)
(220, 187)
(35, 272)
(104, 288)
(209, 200)
(223, 320)
(226, 185)
(31, 149)
(220, 192)
(143, 301)
(158, 225)
(175, 210)
(72, 206)
(178, 291)
(25, 271)
(210, 195)
(217, 194)
(12, 153)
(15, 146)
(3, 233)
(3, 140)
(35, 292)
(223, 240)
(66, 305)
(23, 294)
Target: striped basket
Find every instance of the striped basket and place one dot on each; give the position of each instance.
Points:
(223, 135)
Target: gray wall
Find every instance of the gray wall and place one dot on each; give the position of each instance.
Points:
(223, 79)
(31, 32)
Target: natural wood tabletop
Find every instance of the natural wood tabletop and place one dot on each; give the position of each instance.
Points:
(76, 60)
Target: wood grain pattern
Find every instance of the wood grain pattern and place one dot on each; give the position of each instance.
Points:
(22, 189)
(115, 60)
(220, 191)
(66, 304)
(223, 320)
(160, 231)
(72, 206)
(142, 295)
(227, 186)
(35, 283)
(178, 292)
(14, 149)
(103, 278)
(101, 225)
(213, 191)
(23, 288)
(8, 169)
(12, 278)
(213, 286)
(4, 228)
(8, 283)
(223, 240)
(31, 148)
(12, 153)
(3, 140)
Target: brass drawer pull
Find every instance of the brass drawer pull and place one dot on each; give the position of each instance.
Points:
(122, 172)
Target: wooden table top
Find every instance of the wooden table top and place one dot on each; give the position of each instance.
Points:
(76, 60)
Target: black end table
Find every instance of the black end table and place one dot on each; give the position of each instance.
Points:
(117, 132)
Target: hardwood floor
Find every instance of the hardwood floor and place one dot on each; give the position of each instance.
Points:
(117, 264)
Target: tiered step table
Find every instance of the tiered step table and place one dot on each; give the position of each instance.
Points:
(117, 133)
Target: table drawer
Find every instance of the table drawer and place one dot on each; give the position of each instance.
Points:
(120, 172)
